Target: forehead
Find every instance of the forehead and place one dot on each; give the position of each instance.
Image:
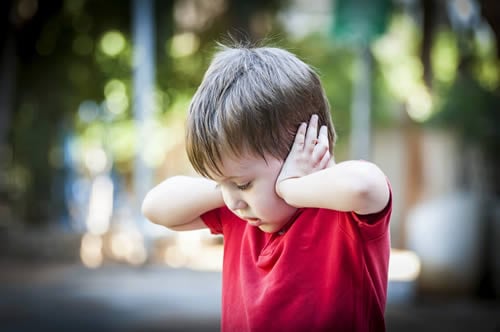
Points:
(246, 165)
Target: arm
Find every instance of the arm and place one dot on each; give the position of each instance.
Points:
(178, 202)
(306, 180)
(357, 186)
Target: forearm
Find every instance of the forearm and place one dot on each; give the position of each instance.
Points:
(180, 200)
(350, 186)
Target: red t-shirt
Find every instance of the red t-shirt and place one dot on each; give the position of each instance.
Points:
(327, 271)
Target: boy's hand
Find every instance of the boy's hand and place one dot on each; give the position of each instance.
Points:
(309, 153)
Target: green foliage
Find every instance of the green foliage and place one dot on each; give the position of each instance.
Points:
(466, 85)
(75, 76)
(334, 66)
(79, 53)
(472, 111)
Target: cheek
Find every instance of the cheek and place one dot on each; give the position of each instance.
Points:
(266, 200)
(224, 195)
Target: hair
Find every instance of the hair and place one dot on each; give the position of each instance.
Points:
(252, 100)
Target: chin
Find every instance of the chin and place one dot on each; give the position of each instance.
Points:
(269, 228)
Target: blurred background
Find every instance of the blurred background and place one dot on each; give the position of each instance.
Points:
(93, 99)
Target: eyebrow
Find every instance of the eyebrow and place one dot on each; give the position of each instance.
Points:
(230, 178)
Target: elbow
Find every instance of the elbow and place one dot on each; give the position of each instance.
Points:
(148, 208)
(285, 190)
(153, 205)
(370, 197)
(361, 195)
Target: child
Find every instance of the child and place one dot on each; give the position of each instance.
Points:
(306, 240)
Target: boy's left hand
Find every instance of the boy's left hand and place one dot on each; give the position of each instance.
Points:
(309, 153)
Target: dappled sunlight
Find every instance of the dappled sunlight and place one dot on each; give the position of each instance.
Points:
(96, 160)
(402, 68)
(112, 43)
(420, 104)
(444, 56)
(195, 250)
(127, 245)
(91, 250)
(100, 205)
(94, 102)
(404, 276)
(404, 265)
(117, 100)
(197, 14)
(88, 111)
(184, 44)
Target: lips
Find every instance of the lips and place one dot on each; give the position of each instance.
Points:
(253, 221)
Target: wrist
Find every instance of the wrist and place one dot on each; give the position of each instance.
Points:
(282, 186)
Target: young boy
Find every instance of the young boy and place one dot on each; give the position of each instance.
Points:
(306, 240)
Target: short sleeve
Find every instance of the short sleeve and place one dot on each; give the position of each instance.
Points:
(213, 220)
(375, 224)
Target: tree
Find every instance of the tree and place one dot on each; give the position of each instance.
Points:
(52, 61)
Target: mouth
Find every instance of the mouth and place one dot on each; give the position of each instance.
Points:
(253, 221)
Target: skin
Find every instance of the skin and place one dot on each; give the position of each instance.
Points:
(267, 192)
(249, 192)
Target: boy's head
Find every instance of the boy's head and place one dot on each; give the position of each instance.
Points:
(252, 101)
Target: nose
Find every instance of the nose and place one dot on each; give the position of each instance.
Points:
(233, 200)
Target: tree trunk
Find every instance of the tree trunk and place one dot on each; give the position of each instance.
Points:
(412, 132)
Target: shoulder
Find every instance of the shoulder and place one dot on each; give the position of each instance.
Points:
(327, 222)
(219, 220)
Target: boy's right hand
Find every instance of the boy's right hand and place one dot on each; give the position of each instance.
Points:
(309, 153)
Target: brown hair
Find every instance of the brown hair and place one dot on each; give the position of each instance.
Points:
(252, 100)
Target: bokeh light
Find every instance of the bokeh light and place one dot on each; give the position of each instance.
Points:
(112, 43)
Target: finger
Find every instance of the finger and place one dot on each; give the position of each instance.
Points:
(331, 162)
(300, 136)
(325, 161)
(323, 135)
(312, 131)
(318, 153)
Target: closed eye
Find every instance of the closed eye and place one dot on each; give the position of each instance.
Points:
(244, 186)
